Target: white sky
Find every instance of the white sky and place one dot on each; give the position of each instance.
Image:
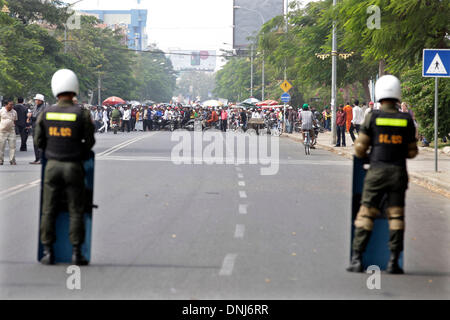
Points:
(181, 24)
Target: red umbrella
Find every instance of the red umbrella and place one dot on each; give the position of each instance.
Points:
(111, 101)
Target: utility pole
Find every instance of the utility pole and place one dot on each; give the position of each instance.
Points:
(65, 38)
(333, 83)
(263, 80)
(99, 89)
(286, 8)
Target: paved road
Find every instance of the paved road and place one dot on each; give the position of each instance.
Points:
(216, 231)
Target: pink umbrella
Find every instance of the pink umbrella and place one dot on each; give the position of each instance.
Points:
(267, 103)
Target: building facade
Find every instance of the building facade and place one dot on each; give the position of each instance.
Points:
(133, 21)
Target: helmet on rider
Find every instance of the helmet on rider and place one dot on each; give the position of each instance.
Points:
(305, 106)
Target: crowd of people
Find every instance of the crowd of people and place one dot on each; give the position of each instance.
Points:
(19, 119)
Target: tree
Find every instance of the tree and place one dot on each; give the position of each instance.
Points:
(28, 11)
(155, 77)
(28, 58)
(196, 83)
(407, 27)
(233, 81)
(419, 92)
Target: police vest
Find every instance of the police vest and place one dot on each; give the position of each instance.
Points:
(391, 134)
(64, 127)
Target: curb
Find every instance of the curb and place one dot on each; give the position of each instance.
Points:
(422, 180)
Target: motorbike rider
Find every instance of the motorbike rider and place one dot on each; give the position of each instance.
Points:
(213, 118)
(115, 117)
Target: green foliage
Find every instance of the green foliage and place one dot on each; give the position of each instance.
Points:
(30, 54)
(155, 78)
(28, 11)
(196, 83)
(27, 58)
(233, 81)
(419, 92)
(407, 27)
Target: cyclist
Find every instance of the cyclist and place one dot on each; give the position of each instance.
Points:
(307, 120)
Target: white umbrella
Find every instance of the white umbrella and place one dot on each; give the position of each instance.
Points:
(135, 103)
(212, 103)
(251, 101)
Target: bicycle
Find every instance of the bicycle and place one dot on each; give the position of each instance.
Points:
(307, 143)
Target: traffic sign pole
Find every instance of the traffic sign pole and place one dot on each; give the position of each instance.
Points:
(436, 63)
(436, 81)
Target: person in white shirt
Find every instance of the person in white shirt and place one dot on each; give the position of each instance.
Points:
(105, 120)
(256, 115)
(126, 118)
(358, 116)
(8, 119)
(166, 115)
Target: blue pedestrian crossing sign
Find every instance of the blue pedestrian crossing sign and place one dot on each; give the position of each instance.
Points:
(285, 97)
(436, 63)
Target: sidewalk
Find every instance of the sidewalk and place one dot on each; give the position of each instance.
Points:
(420, 169)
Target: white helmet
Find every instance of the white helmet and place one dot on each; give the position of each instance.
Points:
(65, 80)
(388, 87)
(39, 97)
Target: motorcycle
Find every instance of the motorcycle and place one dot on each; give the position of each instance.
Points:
(115, 126)
(163, 124)
(317, 129)
(213, 125)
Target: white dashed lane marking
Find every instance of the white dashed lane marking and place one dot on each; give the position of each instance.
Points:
(242, 194)
(239, 232)
(240, 176)
(228, 265)
(243, 209)
(241, 183)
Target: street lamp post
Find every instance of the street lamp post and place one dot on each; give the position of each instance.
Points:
(251, 72)
(333, 83)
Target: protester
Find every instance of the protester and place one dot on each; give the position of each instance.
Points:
(341, 120)
(8, 119)
(36, 111)
(21, 124)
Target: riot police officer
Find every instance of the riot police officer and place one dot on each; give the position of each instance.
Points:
(390, 135)
(65, 133)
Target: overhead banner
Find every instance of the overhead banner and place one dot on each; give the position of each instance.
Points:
(193, 60)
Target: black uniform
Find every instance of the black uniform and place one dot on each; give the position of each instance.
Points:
(391, 136)
(66, 134)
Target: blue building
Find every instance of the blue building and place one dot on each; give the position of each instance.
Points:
(134, 20)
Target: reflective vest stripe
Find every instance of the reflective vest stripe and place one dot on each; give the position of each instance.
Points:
(56, 116)
(391, 122)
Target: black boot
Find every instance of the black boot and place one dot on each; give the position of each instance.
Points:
(77, 257)
(356, 262)
(393, 266)
(48, 257)
(360, 241)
